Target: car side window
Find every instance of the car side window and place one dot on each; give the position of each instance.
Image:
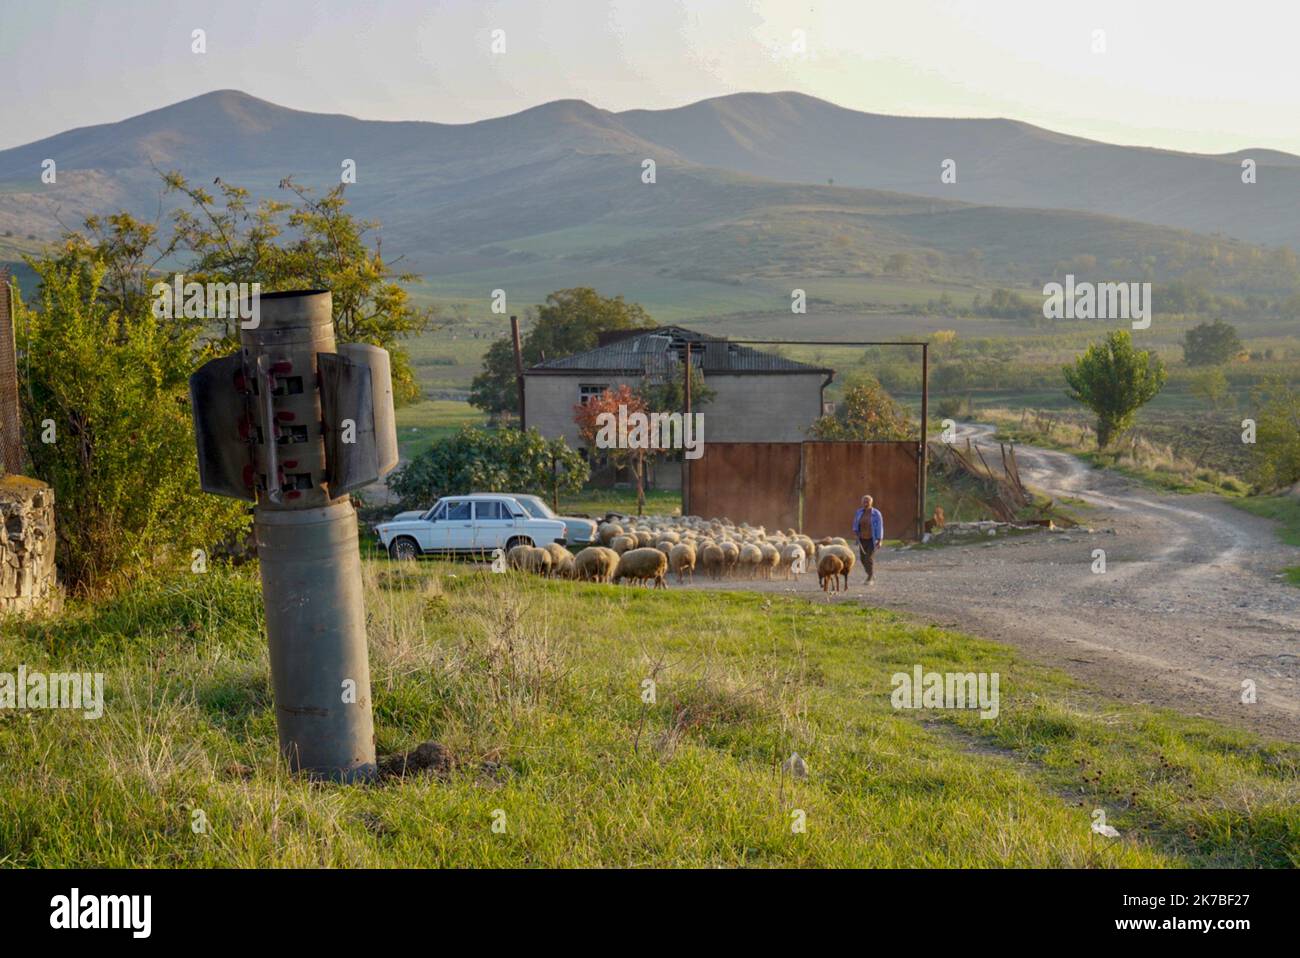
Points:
(490, 509)
(439, 512)
(458, 511)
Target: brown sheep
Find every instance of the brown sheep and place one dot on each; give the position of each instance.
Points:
(529, 559)
(751, 556)
(558, 555)
(607, 532)
(936, 521)
(847, 558)
(643, 565)
(621, 544)
(771, 558)
(587, 564)
(730, 557)
(829, 568)
(611, 563)
(595, 564)
(681, 559)
(541, 561)
(713, 560)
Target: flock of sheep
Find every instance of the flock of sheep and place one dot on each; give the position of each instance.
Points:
(646, 548)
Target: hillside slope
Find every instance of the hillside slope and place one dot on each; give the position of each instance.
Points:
(740, 192)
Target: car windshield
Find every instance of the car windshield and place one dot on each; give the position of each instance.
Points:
(535, 507)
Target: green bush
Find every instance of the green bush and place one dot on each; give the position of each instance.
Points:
(867, 412)
(1275, 456)
(106, 401)
(490, 460)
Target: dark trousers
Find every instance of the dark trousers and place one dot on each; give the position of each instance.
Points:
(868, 549)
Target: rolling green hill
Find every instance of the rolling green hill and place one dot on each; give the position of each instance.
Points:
(741, 202)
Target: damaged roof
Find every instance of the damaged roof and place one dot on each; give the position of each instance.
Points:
(661, 349)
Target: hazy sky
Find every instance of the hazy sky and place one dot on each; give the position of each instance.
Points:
(1183, 74)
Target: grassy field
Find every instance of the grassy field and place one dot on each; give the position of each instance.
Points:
(424, 423)
(1149, 461)
(536, 688)
(597, 502)
(1286, 511)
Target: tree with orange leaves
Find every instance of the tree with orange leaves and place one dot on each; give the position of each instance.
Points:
(613, 423)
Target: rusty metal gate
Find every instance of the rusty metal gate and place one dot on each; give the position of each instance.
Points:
(812, 486)
(754, 482)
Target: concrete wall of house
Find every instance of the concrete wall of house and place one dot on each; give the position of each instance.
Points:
(550, 401)
(756, 407)
(747, 407)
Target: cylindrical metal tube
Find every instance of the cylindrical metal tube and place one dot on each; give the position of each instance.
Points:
(308, 550)
(316, 628)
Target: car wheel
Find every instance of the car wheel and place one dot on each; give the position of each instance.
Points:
(404, 549)
(518, 541)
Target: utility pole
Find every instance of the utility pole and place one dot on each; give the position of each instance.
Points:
(925, 441)
(686, 465)
(11, 437)
(519, 372)
(293, 425)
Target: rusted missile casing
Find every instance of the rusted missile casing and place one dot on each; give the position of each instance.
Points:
(307, 546)
(316, 629)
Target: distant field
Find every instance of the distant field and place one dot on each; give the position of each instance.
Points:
(421, 424)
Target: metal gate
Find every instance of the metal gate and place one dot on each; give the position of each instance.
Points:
(811, 486)
(754, 482)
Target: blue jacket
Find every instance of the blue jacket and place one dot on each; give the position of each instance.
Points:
(877, 524)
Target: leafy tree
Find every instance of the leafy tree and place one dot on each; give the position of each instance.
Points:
(494, 389)
(1275, 456)
(490, 460)
(312, 243)
(896, 264)
(623, 452)
(943, 342)
(1007, 304)
(111, 379)
(1211, 385)
(954, 376)
(1210, 344)
(569, 322)
(106, 407)
(1114, 381)
(670, 394)
(867, 412)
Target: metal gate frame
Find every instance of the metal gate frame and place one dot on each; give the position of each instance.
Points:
(923, 444)
(795, 489)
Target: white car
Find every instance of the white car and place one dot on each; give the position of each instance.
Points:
(577, 532)
(473, 525)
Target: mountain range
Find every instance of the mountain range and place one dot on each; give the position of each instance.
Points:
(748, 188)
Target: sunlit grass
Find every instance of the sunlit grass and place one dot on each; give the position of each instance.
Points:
(537, 688)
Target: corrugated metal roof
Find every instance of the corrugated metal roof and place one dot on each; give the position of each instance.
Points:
(660, 350)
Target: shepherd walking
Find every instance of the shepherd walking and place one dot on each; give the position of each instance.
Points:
(870, 534)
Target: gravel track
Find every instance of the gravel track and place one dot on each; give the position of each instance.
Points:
(1191, 604)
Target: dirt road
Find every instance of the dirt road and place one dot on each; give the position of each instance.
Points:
(1190, 605)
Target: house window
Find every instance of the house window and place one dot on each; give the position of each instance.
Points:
(587, 392)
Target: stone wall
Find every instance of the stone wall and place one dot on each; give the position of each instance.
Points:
(27, 579)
